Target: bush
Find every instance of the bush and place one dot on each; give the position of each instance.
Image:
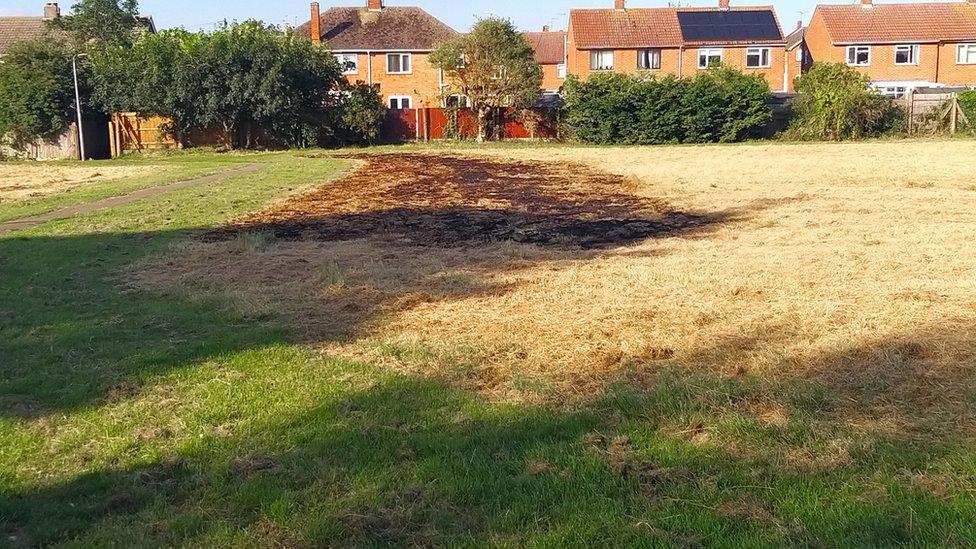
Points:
(836, 102)
(967, 100)
(37, 92)
(719, 105)
(259, 86)
(361, 116)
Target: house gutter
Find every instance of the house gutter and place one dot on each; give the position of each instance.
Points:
(681, 60)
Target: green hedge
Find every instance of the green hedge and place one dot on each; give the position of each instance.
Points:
(718, 105)
(967, 100)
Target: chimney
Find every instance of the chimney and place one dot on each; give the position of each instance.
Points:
(374, 5)
(52, 11)
(545, 28)
(867, 3)
(316, 29)
(723, 4)
(620, 4)
(799, 24)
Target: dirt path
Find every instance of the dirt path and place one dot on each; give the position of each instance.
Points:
(71, 211)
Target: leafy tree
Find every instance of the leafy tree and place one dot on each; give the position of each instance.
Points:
(258, 85)
(36, 92)
(836, 102)
(362, 116)
(493, 65)
(101, 22)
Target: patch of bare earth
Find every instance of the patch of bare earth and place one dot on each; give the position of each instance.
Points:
(20, 181)
(529, 273)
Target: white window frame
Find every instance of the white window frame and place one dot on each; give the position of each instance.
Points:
(855, 50)
(708, 53)
(765, 57)
(463, 101)
(401, 56)
(346, 58)
(600, 55)
(914, 52)
(561, 71)
(970, 53)
(652, 55)
(399, 99)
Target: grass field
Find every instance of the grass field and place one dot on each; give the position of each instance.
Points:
(728, 346)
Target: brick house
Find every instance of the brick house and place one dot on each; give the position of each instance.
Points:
(899, 46)
(678, 41)
(384, 46)
(550, 53)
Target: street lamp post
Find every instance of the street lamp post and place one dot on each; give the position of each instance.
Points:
(81, 130)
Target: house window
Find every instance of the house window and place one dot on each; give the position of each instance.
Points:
(906, 55)
(349, 62)
(710, 57)
(400, 102)
(458, 101)
(858, 56)
(966, 54)
(601, 60)
(894, 92)
(561, 71)
(757, 58)
(648, 60)
(398, 63)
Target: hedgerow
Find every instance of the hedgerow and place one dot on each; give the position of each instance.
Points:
(718, 105)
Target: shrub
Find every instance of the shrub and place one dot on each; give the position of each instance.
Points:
(836, 102)
(37, 92)
(967, 100)
(719, 105)
(259, 86)
(362, 113)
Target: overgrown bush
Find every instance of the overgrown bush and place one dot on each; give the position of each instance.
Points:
(361, 116)
(836, 102)
(718, 105)
(37, 92)
(259, 86)
(967, 100)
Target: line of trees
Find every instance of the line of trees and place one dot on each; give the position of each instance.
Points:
(252, 84)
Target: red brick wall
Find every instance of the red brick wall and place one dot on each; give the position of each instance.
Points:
(550, 78)
(937, 63)
(676, 61)
(423, 84)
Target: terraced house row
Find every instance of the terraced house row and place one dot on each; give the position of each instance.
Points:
(899, 46)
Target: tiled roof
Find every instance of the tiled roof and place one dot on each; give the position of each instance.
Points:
(795, 38)
(888, 23)
(641, 27)
(393, 28)
(15, 29)
(550, 46)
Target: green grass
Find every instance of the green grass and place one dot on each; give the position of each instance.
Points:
(134, 419)
(170, 168)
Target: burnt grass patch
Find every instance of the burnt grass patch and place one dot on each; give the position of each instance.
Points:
(448, 201)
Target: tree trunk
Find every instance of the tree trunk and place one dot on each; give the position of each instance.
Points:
(483, 113)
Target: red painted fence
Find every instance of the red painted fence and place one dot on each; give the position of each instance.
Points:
(403, 125)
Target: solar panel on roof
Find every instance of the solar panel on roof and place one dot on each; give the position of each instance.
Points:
(728, 26)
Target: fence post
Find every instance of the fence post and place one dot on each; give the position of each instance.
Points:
(954, 116)
(911, 112)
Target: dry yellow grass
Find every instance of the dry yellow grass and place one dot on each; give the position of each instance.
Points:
(850, 264)
(21, 180)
